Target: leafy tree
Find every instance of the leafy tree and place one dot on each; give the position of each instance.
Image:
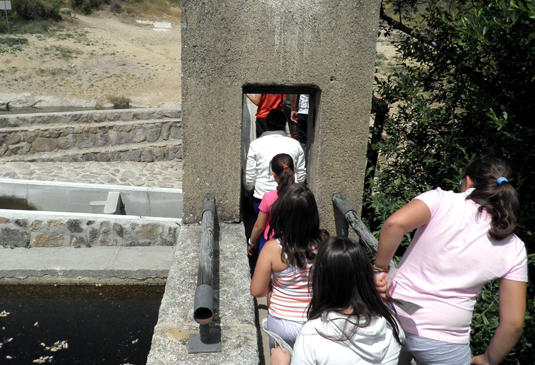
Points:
(465, 87)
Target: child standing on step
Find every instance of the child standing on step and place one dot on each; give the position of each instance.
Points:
(284, 264)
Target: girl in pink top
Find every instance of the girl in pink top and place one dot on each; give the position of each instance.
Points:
(284, 264)
(462, 242)
(283, 171)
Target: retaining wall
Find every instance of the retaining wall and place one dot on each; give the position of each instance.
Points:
(46, 229)
(28, 141)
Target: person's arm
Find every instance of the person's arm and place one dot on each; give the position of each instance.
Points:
(293, 106)
(284, 100)
(254, 99)
(259, 226)
(260, 284)
(413, 215)
(512, 299)
(280, 356)
(250, 171)
(300, 166)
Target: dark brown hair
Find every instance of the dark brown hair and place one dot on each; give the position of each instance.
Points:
(295, 222)
(500, 200)
(342, 278)
(283, 166)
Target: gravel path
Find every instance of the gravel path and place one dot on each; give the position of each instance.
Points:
(164, 174)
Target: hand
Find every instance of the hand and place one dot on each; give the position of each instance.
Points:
(480, 360)
(381, 282)
(250, 248)
(280, 356)
(293, 116)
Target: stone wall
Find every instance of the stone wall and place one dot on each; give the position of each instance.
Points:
(46, 229)
(28, 141)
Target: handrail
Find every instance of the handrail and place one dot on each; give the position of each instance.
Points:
(203, 306)
(366, 237)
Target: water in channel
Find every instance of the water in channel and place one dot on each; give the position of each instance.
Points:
(77, 324)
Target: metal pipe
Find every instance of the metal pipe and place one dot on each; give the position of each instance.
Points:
(204, 295)
(366, 237)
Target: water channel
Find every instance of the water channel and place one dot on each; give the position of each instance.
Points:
(77, 324)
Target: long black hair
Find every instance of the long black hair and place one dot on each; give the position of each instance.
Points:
(342, 279)
(497, 198)
(283, 166)
(295, 222)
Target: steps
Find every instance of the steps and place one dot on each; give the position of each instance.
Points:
(141, 135)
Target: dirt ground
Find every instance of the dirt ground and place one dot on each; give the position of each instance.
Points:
(104, 56)
(94, 59)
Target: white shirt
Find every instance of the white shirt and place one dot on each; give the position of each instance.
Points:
(374, 344)
(261, 152)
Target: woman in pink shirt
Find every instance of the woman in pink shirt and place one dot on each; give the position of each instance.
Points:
(463, 240)
(283, 171)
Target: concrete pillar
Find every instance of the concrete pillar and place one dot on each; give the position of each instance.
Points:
(229, 44)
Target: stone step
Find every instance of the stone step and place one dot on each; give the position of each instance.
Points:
(36, 139)
(138, 152)
(93, 116)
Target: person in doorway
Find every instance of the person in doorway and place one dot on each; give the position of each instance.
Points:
(299, 115)
(463, 240)
(258, 179)
(348, 322)
(265, 103)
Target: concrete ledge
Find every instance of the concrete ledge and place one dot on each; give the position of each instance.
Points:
(234, 312)
(88, 116)
(102, 265)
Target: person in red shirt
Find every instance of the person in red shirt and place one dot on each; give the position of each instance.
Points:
(265, 103)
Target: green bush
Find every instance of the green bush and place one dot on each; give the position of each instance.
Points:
(87, 6)
(465, 87)
(36, 9)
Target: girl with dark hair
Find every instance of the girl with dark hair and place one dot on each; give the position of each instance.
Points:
(348, 322)
(284, 264)
(283, 171)
(462, 242)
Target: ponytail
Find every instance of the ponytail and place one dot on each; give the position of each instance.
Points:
(283, 166)
(492, 179)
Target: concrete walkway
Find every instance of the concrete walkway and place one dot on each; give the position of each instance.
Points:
(95, 265)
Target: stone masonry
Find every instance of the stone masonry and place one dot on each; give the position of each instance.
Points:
(60, 230)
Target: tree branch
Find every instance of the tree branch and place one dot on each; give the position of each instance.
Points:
(403, 28)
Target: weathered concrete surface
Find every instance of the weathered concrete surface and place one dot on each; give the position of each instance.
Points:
(234, 312)
(94, 265)
(229, 44)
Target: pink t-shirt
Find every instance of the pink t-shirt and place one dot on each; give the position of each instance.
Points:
(448, 262)
(265, 206)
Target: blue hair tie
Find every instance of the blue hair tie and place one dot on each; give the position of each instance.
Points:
(501, 180)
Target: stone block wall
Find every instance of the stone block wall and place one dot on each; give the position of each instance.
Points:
(43, 229)
(29, 141)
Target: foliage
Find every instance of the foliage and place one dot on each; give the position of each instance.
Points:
(464, 88)
(87, 6)
(35, 9)
(119, 102)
